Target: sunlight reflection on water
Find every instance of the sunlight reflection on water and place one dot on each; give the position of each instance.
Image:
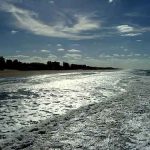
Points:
(28, 100)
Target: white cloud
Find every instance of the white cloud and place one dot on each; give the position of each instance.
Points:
(145, 29)
(130, 31)
(24, 58)
(83, 24)
(60, 49)
(19, 57)
(35, 59)
(110, 1)
(14, 32)
(139, 40)
(45, 51)
(27, 20)
(125, 28)
(116, 55)
(130, 55)
(137, 54)
(125, 50)
(76, 44)
(72, 56)
(74, 51)
(132, 34)
(107, 56)
(122, 55)
(123, 62)
(59, 45)
(104, 56)
(51, 2)
(52, 57)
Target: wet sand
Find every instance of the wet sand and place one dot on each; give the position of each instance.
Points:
(17, 73)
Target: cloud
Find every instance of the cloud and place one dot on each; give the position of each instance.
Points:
(27, 20)
(127, 63)
(51, 2)
(76, 44)
(122, 55)
(52, 57)
(14, 32)
(83, 24)
(136, 15)
(139, 40)
(104, 56)
(25, 58)
(36, 59)
(137, 55)
(125, 28)
(131, 34)
(116, 55)
(130, 31)
(59, 45)
(74, 51)
(72, 56)
(131, 55)
(145, 29)
(110, 1)
(45, 51)
(125, 50)
(19, 57)
(49, 57)
(60, 49)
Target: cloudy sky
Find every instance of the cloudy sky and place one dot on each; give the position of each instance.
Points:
(94, 32)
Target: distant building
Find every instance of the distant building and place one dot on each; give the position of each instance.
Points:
(66, 66)
(2, 63)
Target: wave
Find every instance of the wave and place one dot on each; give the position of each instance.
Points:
(108, 110)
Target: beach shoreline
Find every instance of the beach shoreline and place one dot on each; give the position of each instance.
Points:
(18, 73)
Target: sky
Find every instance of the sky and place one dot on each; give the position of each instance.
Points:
(103, 33)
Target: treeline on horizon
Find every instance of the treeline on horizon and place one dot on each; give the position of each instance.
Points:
(17, 65)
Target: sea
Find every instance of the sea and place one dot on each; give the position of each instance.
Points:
(119, 104)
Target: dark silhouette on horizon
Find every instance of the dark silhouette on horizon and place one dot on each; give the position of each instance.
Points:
(2, 63)
(17, 65)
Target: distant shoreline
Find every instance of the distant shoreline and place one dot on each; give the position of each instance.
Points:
(37, 66)
(18, 73)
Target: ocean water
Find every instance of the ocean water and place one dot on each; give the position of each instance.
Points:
(121, 104)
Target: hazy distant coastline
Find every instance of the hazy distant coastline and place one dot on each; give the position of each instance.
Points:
(17, 65)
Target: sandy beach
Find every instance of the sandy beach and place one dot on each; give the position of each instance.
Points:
(17, 73)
